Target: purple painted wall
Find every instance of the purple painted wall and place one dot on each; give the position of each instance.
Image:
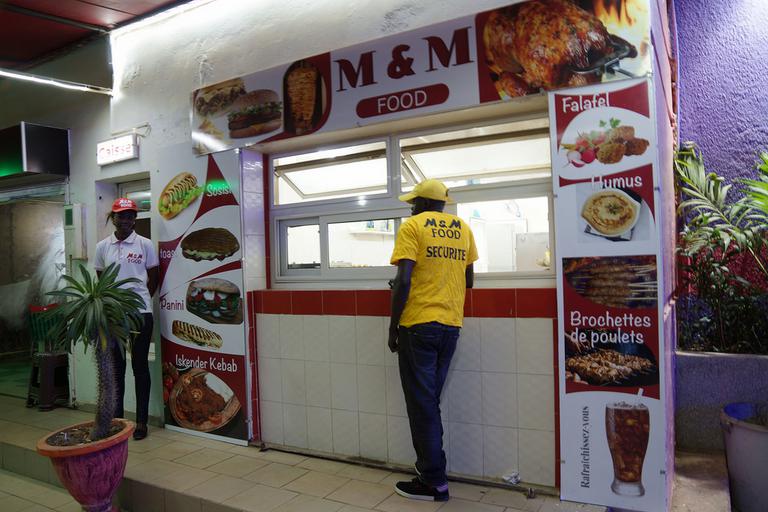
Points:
(723, 81)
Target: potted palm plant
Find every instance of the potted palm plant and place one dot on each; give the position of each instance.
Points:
(725, 309)
(90, 458)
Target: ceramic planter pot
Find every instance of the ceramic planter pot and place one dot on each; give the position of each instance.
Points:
(746, 452)
(91, 472)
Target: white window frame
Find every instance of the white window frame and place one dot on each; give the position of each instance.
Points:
(382, 206)
(124, 188)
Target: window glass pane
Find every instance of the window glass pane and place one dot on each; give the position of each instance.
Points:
(143, 199)
(303, 246)
(511, 235)
(344, 172)
(491, 154)
(361, 244)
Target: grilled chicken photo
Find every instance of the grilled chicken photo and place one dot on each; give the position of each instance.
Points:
(301, 85)
(544, 42)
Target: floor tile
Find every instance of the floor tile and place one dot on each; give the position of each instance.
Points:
(220, 488)
(283, 457)
(467, 492)
(172, 450)
(203, 458)
(309, 504)
(146, 445)
(459, 505)
(71, 507)
(316, 484)
(352, 508)
(361, 494)
(323, 465)
(15, 504)
(238, 466)
(396, 503)
(147, 498)
(260, 498)
(513, 499)
(181, 502)
(276, 475)
(363, 473)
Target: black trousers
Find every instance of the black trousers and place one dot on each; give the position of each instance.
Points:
(139, 362)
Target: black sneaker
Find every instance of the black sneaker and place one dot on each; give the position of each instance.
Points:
(418, 490)
(140, 432)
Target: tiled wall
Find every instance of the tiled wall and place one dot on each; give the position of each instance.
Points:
(328, 383)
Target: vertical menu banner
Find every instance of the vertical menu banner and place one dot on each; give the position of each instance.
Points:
(611, 378)
(202, 303)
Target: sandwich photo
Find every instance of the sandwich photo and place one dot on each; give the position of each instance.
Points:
(209, 244)
(179, 193)
(195, 334)
(253, 113)
(215, 300)
(215, 98)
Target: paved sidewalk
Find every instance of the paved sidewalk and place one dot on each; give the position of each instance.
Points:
(171, 471)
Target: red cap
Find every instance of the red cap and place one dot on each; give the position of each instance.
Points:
(121, 204)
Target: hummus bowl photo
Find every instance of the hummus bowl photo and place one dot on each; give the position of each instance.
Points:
(610, 212)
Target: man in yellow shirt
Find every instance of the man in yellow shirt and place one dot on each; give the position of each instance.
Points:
(434, 252)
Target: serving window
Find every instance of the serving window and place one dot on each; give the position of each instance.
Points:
(335, 211)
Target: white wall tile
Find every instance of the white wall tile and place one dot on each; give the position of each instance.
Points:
(268, 335)
(292, 336)
(319, 433)
(295, 425)
(373, 436)
(467, 356)
(341, 339)
(253, 177)
(270, 379)
(466, 448)
(536, 402)
(500, 399)
(395, 397)
(536, 456)
(390, 358)
(369, 337)
(499, 451)
(465, 397)
(271, 422)
(253, 213)
(535, 345)
(371, 389)
(344, 386)
(316, 338)
(399, 443)
(294, 385)
(497, 336)
(346, 433)
(318, 380)
(255, 283)
(255, 263)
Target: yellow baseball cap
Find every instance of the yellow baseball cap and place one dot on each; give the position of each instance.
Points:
(428, 189)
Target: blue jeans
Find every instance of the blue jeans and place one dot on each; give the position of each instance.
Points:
(424, 353)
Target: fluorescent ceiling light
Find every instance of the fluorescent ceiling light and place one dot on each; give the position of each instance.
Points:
(64, 84)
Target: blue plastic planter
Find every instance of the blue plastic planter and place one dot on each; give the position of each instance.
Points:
(746, 452)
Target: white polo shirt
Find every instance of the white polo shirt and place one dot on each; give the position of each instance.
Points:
(135, 255)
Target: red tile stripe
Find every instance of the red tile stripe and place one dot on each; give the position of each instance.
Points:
(480, 302)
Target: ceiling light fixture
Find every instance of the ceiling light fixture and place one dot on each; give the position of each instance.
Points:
(64, 84)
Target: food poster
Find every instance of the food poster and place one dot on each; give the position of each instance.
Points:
(611, 353)
(488, 57)
(202, 298)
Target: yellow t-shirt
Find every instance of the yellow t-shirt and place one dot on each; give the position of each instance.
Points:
(442, 245)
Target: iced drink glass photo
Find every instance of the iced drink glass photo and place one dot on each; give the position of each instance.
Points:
(627, 427)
